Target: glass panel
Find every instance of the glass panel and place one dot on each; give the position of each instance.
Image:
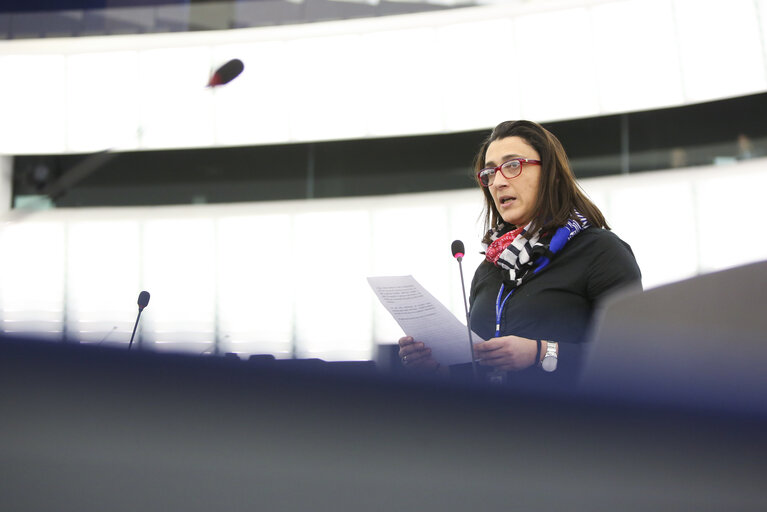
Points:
(330, 260)
(176, 107)
(103, 280)
(33, 104)
(32, 276)
(178, 269)
(551, 91)
(714, 32)
(103, 106)
(256, 286)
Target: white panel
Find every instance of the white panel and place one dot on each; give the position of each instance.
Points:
(628, 61)
(470, 90)
(657, 219)
(32, 277)
(103, 280)
(254, 107)
(404, 84)
(179, 272)
(721, 48)
(554, 66)
(326, 87)
(176, 108)
(256, 285)
(32, 104)
(102, 101)
(729, 209)
(332, 255)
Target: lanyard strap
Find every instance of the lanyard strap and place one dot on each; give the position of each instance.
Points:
(499, 305)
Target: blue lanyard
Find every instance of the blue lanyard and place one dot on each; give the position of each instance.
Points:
(499, 309)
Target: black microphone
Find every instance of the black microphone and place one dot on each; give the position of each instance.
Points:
(458, 251)
(143, 300)
(226, 73)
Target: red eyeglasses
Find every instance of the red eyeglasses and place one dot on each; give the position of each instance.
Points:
(509, 169)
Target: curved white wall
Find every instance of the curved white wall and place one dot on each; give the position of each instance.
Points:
(423, 73)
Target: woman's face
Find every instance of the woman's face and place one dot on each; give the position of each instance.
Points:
(514, 198)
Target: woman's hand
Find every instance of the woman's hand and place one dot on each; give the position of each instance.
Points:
(416, 355)
(508, 353)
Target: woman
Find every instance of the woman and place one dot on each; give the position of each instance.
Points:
(549, 259)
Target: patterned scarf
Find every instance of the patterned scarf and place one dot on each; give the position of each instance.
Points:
(524, 256)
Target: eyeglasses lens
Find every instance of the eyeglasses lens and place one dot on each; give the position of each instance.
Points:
(511, 168)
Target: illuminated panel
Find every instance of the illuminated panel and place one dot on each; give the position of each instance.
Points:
(32, 277)
(33, 104)
(331, 259)
(469, 92)
(328, 92)
(727, 206)
(178, 269)
(256, 285)
(253, 107)
(721, 48)
(629, 60)
(102, 102)
(404, 95)
(657, 219)
(176, 107)
(103, 280)
(553, 59)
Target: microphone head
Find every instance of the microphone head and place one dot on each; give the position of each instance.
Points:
(143, 299)
(226, 73)
(457, 248)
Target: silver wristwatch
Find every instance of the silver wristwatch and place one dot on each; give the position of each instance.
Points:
(549, 363)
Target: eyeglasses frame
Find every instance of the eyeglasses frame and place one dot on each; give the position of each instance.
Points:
(522, 161)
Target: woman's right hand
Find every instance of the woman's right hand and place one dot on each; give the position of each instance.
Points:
(415, 355)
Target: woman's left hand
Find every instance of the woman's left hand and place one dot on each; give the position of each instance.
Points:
(508, 353)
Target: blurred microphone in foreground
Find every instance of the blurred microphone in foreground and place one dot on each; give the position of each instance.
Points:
(226, 73)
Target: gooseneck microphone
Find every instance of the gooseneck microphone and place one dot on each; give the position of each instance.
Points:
(143, 300)
(226, 73)
(458, 251)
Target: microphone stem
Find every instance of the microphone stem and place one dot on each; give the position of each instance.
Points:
(468, 321)
(134, 328)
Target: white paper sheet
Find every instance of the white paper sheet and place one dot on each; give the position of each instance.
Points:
(424, 318)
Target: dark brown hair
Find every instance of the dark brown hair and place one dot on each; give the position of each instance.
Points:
(559, 195)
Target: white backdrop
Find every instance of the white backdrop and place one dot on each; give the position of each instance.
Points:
(289, 277)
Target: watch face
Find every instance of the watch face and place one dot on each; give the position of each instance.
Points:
(549, 364)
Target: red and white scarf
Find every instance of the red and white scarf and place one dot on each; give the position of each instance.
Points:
(523, 256)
